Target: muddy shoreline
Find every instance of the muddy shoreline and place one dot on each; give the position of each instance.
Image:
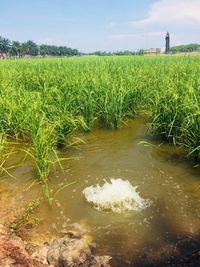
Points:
(72, 250)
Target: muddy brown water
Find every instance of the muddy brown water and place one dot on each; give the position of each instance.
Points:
(161, 173)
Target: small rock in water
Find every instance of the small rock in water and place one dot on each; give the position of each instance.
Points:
(71, 250)
(40, 253)
(117, 196)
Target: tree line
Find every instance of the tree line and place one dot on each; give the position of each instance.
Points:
(17, 49)
(185, 48)
(118, 53)
(30, 48)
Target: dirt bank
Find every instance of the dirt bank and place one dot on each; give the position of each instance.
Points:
(13, 252)
(71, 250)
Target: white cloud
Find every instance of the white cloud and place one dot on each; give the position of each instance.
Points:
(171, 13)
(50, 41)
(180, 17)
(135, 41)
(124, 37)
(139, 36)
(54, 41)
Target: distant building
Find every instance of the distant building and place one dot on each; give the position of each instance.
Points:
(152, 51)
(3, 55)
(167, 43)
(162, 50)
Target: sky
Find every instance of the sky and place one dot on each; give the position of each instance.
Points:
(107, 25)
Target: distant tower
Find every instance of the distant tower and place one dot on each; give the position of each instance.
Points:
(167, 43)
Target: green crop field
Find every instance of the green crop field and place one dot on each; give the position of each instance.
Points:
(44, 101)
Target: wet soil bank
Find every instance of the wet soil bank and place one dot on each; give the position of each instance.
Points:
(71, 250)
(13, 252)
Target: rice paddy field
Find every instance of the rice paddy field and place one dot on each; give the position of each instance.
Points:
(44, 103)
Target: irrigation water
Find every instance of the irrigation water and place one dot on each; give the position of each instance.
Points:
(162, 186)
(116, 196)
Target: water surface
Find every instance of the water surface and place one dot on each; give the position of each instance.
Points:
(161, 173)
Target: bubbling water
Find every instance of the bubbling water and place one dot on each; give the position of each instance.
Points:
(117, 195)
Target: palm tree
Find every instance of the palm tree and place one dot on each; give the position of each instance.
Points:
(15, 49)
(44, 50)
(30, 48)
(4, 46)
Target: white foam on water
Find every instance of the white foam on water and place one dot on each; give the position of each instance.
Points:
(117, 195)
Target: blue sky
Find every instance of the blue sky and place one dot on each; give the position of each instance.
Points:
(110, 25)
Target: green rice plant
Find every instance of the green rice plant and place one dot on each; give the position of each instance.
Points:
(43, 160)
(88, 107)
(112, 108)
(191, 135)
(4, 156)
(2, 143)
(65, 126)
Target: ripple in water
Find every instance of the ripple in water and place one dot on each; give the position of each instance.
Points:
(117, 195)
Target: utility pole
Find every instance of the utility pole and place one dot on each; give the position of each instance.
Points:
(167, 43)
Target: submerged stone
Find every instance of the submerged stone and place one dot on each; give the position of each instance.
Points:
(70, 250)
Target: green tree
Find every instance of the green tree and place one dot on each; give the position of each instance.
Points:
(30, 48)
(4, 45)
(15, 49)
(185, 48)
